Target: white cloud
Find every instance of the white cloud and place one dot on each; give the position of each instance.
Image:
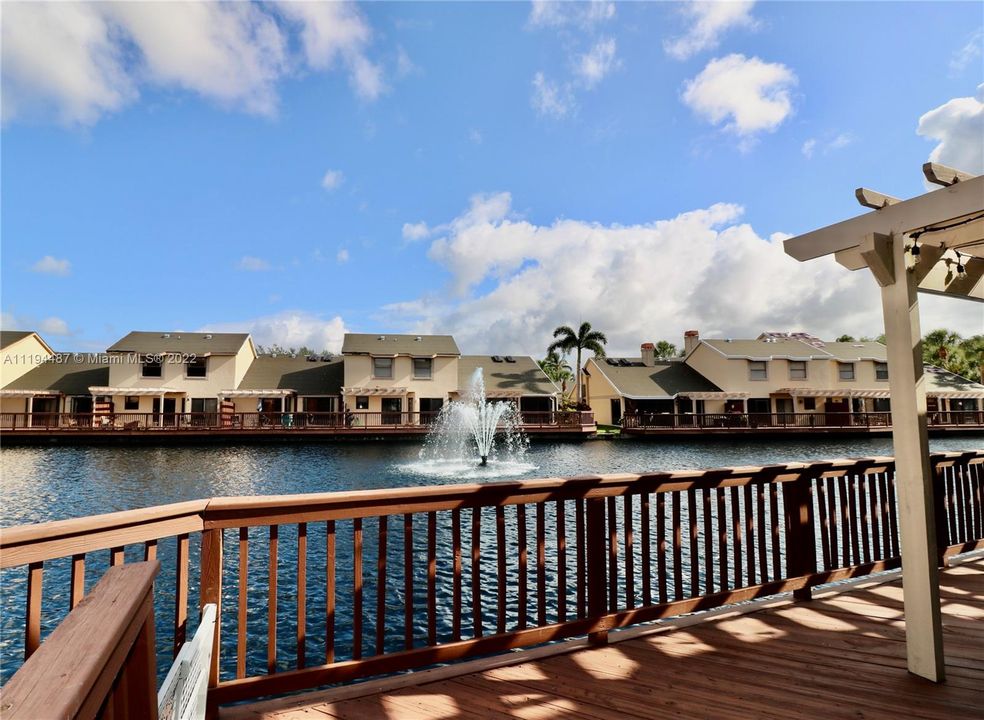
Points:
(291, 328)
(53, 326)
(415, 231)
(332, 180)
(962, 58)
(342, 257)
(808, 147)
(248, 263)
(511, 282)
(404, 65)
(80, 61)
(475, 136)
(49, 265)
(593, 66)
(841, 141)
(744, 95)
(708, 21)
(555, 13)
(550, 99)
(958, 126)
(837, 142)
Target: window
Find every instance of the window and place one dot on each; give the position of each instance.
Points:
(881, 371)
(362, 402)
(809, 403)
(152, 368)
(797, 370)
(423, 368)
(196, 368)
(131, 402)
(882, 405)
(382, 368)
(845, 371)
(757, 370)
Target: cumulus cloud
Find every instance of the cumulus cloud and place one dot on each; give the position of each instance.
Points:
(332, 180)
(291, 328)
(511, 282)
(555, 14)
(53, 326)
(550, 99)
(835, 142)
(745, 96)
(415, 231)
(79, 61)
(708, 21)
(49, 265)
(958, 128)
(594, 65)
(248, 263)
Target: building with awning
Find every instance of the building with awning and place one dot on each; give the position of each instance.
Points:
(59, 385)
(510, 377)
(289, 383)
(20, 352)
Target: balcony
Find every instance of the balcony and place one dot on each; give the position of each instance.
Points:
(791, 423)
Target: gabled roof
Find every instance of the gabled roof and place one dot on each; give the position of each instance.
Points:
(153, 343)
(665, 379)
(384, 344)
(62, 373)
(295, 373)
(9, 337)
(790, 349)
(940, 381)
(851, 351)
(521, 377)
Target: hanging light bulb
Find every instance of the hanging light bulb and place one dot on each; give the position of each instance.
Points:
(961, 270)
(914, 249)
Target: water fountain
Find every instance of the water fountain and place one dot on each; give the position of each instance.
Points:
(473, 437)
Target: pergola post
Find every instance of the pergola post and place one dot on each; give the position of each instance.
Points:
(885, 256)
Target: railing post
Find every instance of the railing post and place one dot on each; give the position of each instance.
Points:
(801, 549)
(211, 592)
(597, 543)
(941, 500)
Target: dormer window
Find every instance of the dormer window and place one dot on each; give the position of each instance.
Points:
(196, 368)
(382, 368)
(151, 368)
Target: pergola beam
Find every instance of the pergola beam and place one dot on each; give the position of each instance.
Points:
(873, 199)
(943, 174)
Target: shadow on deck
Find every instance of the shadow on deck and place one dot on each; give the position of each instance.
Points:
(841, 655)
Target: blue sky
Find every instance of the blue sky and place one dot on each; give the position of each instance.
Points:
(489, 170)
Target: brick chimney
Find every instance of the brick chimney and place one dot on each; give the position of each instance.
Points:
(648, 351)
(691, 339)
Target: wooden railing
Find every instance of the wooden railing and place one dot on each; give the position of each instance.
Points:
(738, 421)
(325, 588)
(100, 661)
(343, 422)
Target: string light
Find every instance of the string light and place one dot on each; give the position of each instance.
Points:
(961, 270)
(914, 250)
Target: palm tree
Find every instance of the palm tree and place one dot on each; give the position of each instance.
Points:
(665, 350)
(942, 348)
(972, 350)
(566, 339)
(556, 367)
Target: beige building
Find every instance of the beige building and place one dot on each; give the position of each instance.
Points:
(287, 389)
(20, 352)
(59, 385)
(507, 377)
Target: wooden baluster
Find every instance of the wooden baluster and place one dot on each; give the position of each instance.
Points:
(647, 567)
(863, 509)
(694, 550)
(629, 551)
(561, 562)
(476, 571)
(661, 546)
(736, 536)
(595, 549)
(722, 525)
(749, 534)
(117, 556)
(456, 575)
(78, 580)
(431, 578)
(845, 518)
(301, 595)
(541, 564)
(612, 557)
(876, 531)
(243, 591)
(180, 593)
(582, 572)
(522, 600)
(976, 491)
(150, 550)
(824, 522)
(383, 525)
(500, 551)
(705, 496)
(893, 516)
(761, 547)
(776, 530)
(801, 549)
(330, 592)
(272, 600)
(677, 547)
(32, 629)
(357, 589)
(210, 592)
(852, 509)
(960, 503)
(408, 581)
(834, 522)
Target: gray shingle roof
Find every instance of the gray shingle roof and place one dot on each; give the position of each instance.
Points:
(9, 337)
(62, 374)
(153, 343)
(940, 380)
(385, 344)
(857, 351)
(760, 349)
(665, 379)
(298, 374)
(523, 376)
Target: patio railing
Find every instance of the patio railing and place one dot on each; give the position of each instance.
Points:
(715, 421)
(325, 588)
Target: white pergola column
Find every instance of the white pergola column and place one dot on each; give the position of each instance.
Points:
(917, 526)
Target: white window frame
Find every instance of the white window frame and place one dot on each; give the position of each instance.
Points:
(841, 367)
(752, 369)
(798, 364)
(376, 375)
(430, 368)
(197, 377)
(143, 369)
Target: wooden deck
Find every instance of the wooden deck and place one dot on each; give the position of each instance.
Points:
(841, 655)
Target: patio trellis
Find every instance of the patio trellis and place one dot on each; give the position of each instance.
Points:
(932, 243)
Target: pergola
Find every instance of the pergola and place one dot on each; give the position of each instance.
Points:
(931, 243)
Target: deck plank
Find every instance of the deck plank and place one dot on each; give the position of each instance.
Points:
(840, 656)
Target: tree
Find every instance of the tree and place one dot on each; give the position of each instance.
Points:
(556, 367)
(845, 338)
(665, 350)
(942, 348)
(566, 340)
(972, 350)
